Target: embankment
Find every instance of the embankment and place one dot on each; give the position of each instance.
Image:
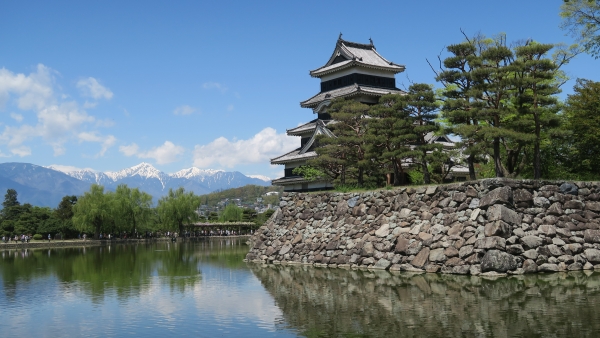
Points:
(488, 226)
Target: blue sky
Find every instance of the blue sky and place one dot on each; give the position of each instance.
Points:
(213, 84)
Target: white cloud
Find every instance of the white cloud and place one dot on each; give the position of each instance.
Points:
(260, 148)
(230, 107)
(106, 141)
(129, 150)
(90, 87)
(184, 110)
(58, 121)
(214, 85)
(17, 117)
(34, 90)
(21, 151)
(166, 153)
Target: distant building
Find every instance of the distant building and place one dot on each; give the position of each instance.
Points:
(272, 193)
(354, 70)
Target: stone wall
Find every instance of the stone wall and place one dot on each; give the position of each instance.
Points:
(488, 226)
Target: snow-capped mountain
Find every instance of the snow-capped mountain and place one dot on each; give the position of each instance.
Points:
(260, 177)
(157, 183)
(45, 186)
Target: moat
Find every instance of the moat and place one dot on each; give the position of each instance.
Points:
(204, 289)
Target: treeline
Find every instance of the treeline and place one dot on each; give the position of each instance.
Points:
(500, 100)
(247, 194)
(125, 211)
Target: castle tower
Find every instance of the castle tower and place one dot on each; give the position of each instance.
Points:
(354, 70)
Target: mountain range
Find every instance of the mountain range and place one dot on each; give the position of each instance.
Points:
(45, 186)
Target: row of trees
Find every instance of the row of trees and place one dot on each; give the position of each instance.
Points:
(500, 100)
(124, 210)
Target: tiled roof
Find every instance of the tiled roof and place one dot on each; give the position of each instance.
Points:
(351, 90)
(302, 129)
(292, 156)
(355, 54)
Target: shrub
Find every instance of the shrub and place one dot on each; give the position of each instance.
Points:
(38, 237)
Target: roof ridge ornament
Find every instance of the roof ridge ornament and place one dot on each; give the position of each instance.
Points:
(340, 37)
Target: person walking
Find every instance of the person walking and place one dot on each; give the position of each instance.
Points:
(48, 237)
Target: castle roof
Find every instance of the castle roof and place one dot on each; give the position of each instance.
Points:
(348, 54)
(348, 91)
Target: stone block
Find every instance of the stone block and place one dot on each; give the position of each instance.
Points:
(591, 236)
(499, 212)
(593, 206)
(547, 229)
(502, 195)
(592, 255)
(499, 261)
(497, 228)
(402, 245)
(547, 267)
(437, 255)
(421, 259)
(555, 209)
(494, 242)
(383, 231)
(531, 242)
(569, 189)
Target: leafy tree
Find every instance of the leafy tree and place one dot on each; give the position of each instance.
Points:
(582, 115)
(308, 172)
(131, 208)
(231, 213)
(64, 215)
(10, 199)
(249, 215)
(345, 154)
(582, 19)
(422, 105)
(459, 98)
(390, 136)
(178, 208)
(93, 211)
(535, 98)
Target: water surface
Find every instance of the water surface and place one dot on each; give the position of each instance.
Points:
(204, 289)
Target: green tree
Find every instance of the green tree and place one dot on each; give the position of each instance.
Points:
(582, 115)
(581, 18)
(249, 215)
(231, 213)
(178, 208)
(10, 199)
(344, 155)
(459, 98)
(422, 105)
(132, 208)
(92, 213)
(64, 215)
(390, 136)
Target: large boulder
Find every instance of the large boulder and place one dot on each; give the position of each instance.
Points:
(421, 259)
(499, 261)
(531, 242)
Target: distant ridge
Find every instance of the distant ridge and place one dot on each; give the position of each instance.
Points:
(45, 186)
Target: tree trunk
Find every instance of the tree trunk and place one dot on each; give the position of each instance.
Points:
(397, 179)
(497, 162)
(471, 162)
(537, 165)
(426, 176)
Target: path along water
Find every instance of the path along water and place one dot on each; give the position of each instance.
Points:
(204, 289)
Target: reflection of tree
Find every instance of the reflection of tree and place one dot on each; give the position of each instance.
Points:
(323, 302)
(126, 270)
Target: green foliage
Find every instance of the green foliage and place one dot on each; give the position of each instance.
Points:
(581, 145)
(178, 208)
(38, 237)
(416, 177)
(92, 213)
(10, 199)
(131, 209)
(308, 172)
(581, 18)
(231, 213)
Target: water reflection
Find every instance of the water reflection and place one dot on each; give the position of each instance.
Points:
(197, 288)
(335, 302)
